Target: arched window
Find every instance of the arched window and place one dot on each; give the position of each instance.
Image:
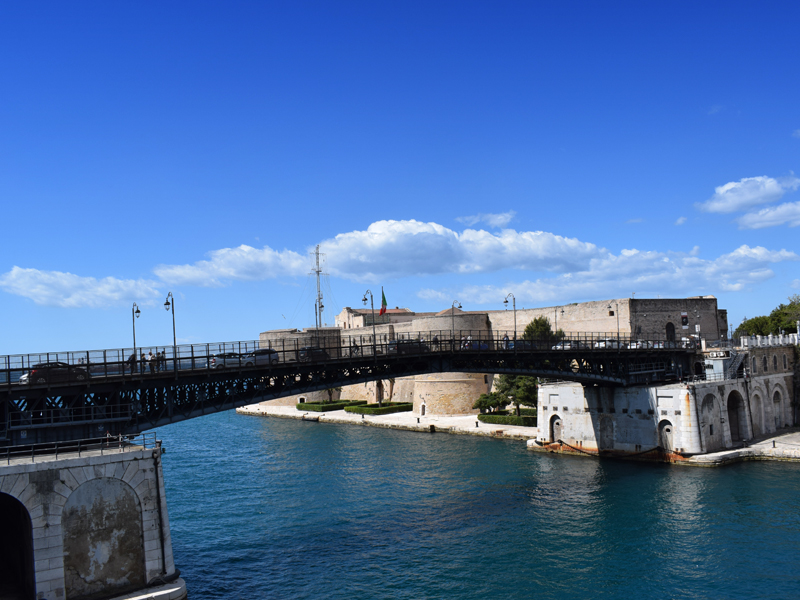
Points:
(755, 370)
(670, 332)
(784, 363)
(766, 364)
(774, 362)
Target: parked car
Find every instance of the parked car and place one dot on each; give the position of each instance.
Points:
(308, 353)
(262, 356)
(522, 345)
(641, 345)
(52, 372)
(568, 345)
(607, 344)
(226, 360)
(407, 347)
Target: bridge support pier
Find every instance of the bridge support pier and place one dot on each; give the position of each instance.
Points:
(93, 525)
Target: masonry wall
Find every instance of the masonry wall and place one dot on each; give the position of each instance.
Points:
(96, 524)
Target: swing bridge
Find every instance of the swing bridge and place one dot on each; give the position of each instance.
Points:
(62, 396)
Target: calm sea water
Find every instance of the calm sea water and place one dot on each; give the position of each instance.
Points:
(274, 508)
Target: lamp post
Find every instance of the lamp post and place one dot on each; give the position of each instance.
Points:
(167, 306)
(616, 311)
(453, 314)
(514, 305)
(372, 305)
(135, 312)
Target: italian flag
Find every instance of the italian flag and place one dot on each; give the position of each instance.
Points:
(383, 303)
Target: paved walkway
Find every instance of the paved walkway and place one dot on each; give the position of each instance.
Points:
(783, 446)
(465, 425)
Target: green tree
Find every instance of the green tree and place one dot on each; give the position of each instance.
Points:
(540, 329)
(522, 389)
(783, 318)
(491, 402)
(331, 392)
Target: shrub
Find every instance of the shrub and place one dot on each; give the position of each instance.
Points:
(387, 408)
(327, 406)
(527, 421)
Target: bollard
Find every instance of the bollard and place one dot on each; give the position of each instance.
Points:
(417, 419)
(476, 423)
(773, 443)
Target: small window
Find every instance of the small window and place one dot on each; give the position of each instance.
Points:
(765, 364)
(755, 370)
(485, 379)
(710, 430)
(784, 363)
(611, 313)
(774, 362)
(624, 411)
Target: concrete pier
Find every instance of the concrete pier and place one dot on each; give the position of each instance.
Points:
(86, 525)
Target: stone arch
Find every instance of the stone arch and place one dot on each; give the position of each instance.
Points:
(710, 424)
(757, 411)
(103, 539)
(605, 441)
(665, 436)
(736, 416)
(556, 428)
(17, 575)
(670, 332)
(777, 409)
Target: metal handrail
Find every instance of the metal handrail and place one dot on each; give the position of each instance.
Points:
(119, 363)
(104, 445)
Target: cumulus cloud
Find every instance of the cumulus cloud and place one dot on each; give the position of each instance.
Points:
(680, 221)
(407, 248)
(54, 288)
(496, 220)
(243, 263)
(783, 214)
(647, 272)
(747, 193)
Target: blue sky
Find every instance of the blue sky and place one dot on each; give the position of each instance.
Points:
(562, 151)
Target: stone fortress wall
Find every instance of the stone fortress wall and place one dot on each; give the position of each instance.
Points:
(455, 393)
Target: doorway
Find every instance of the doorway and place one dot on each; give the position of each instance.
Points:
(665, 436)
(16, 550)
(734, 406)
(670, 332)
(555, 428)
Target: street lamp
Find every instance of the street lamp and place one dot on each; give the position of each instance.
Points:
(514, 304)
(372, 304)
(616, 311)
(167, 306)
(135, 312)
(453, 313)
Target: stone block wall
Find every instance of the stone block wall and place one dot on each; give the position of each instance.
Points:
(97, 522)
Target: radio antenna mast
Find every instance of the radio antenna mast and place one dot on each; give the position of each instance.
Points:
(319, 305)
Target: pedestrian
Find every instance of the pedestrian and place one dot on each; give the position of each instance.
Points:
(163, 360)
(505, 342)
(151, 362)
(131, 363)
(142, 363)
(435, 342)
(463, 342)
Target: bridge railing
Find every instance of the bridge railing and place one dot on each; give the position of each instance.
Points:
(100, 445)
(77, 367)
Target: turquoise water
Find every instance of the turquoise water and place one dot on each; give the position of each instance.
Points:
(276, 508)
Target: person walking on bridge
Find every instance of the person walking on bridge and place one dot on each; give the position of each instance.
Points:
(131, 363)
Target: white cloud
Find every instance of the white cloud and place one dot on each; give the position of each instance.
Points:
(783, 214)
(795, 284)
(409, 248)
(634, 221)
(243, 263)
(649, 273)
(796, 133)
(695, 251)
(54, 288)
(496, 220)
(680, 221)
(747, 193)
(717, 108)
